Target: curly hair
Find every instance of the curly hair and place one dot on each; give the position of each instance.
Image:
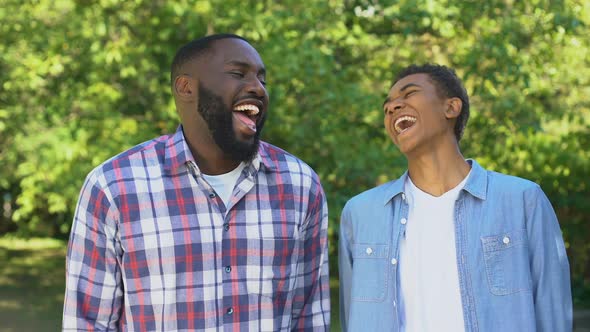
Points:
(448, 85)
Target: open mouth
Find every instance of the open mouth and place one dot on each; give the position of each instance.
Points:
(247, 114)
(404, 123)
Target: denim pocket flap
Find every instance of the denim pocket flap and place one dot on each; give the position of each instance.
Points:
(362, 250)
(503, 240)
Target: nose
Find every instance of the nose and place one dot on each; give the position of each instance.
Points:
(395, 105)
(398, 104)
(256, 87)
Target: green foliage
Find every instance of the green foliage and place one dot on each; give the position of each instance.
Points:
(84, 80)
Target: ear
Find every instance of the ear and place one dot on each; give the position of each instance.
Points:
(454, 106)
(186, 87)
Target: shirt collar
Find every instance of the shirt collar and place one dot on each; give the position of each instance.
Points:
(266, 157)
(476, 184)
(394, 188)
(177, 154)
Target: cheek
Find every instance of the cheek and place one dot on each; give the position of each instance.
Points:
(388, 124)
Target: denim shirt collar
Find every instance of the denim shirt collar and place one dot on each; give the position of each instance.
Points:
(476, 185)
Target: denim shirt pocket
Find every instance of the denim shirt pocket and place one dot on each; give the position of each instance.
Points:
(370, 272)
(507, 263)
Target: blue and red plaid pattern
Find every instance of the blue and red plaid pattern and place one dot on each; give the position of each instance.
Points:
(153, 248)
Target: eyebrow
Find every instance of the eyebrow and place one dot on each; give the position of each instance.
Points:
(405, 87)
(243, 64)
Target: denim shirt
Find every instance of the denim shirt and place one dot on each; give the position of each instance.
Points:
(512, 264)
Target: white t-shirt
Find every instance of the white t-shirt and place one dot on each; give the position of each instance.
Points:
(224, 184)
(429, 279)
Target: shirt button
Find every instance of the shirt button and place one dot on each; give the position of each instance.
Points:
(403, 221)
(506, 240)
(394, 303)
(393, 261)
(228, 269)
(212, 195)
(403, 196)
(230, 311)
(226, 226)
(369, 251)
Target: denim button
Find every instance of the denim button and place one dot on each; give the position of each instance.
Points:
(393, 261)
(230, 311)
(228, 269)
(403, 221)
(403, 196)
(506, 240)
(369, 251)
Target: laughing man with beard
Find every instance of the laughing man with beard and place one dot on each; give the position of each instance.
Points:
(449, 246)
(205, 229)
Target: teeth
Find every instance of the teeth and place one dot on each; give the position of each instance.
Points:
(403, 118)
(249, 108)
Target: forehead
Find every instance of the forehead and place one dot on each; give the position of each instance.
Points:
(233, 50)
(421, 80)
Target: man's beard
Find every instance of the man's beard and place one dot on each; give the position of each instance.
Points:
(219, 119)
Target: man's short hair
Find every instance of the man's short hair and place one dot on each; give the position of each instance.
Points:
(447, 85)
(194, 49)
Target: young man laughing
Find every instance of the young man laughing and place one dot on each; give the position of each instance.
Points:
(206, 229)
(449, 246)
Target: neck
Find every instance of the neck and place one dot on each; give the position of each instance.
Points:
(438, 169)
(208, 156)
(213, 162)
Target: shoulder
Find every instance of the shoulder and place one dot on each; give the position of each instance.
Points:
(509, 192)
(283, 170)
(373, 199)
(121, 166)
(496, 187)
(279, 160)
(367, 217)
(510, 184)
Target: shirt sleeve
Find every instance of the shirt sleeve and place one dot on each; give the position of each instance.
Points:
(311, 307)
(344, 267)
(549, 265)
(93, 294)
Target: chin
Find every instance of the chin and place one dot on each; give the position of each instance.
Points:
(240, 149)
(406, 148)
(245, 139)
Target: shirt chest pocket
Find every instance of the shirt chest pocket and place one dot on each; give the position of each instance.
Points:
(370, 272)
(507, 263)
(269, 268)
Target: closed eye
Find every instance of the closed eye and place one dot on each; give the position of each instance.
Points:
(409, 93)
(237, 74)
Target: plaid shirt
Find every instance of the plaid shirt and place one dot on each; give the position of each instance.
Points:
(153, 248)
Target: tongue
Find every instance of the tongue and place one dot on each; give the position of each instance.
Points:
(246, 120)
(406, 124)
